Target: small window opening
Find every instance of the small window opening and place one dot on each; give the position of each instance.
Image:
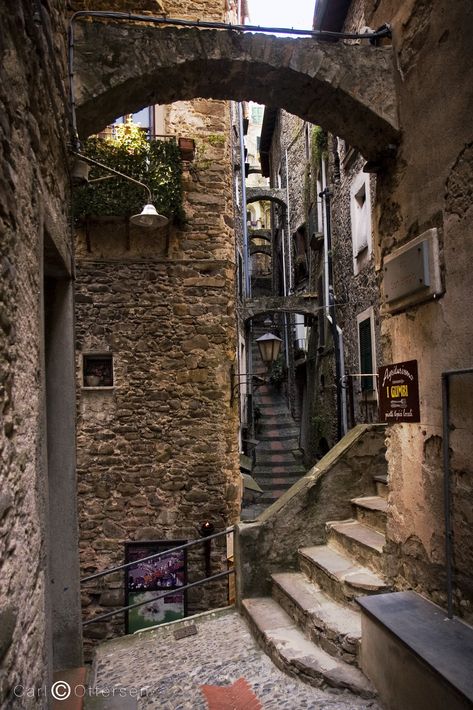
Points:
(97, 370)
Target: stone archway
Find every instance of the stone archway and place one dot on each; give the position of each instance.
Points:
(260, 249)
(266, 194)
(348, 89)
(305, 305)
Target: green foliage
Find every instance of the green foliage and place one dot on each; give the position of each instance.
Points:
(318, 144)
(156, 163)
(320, 427)
(318, 151)
(277, 372)
(216, 139)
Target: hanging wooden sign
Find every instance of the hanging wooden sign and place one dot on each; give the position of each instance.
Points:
(399, 393)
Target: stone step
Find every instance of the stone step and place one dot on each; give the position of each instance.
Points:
(334, 626)
(291, 651)
(282, 434)
(280, 463)
(339, 575)
(381, 482)
(371, 511)
(274, 410)
(274, 445)
(276, 483)
(359, 541)
(276, 470)
(276, 456)
(281, 421)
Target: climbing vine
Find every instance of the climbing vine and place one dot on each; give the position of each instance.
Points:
(318, 151)
(156, 163)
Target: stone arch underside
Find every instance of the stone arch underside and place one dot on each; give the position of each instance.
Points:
(260, 234)
(306, 305)
(347, 89)
(260, 249)
(265, 194)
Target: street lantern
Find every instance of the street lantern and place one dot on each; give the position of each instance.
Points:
(148, 217)
(269, 346)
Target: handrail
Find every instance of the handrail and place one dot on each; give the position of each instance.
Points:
(122, 609)
(104, 573)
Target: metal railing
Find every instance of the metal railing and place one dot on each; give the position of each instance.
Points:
(208, 578)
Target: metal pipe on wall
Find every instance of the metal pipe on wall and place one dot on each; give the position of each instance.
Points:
(246, 260)
(447, 489)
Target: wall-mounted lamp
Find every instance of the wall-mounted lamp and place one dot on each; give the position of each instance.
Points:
(148, 217)
(269, 346)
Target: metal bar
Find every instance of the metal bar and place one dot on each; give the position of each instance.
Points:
(104, 573)
(385, 31)
(86, 158)
(447, 492)
(160, 596)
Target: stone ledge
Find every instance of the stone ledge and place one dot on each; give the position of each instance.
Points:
(419, 631)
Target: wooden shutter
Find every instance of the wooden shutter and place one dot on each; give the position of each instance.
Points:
(366, 354)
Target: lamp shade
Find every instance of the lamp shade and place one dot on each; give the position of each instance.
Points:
(269, 346)
(80, 172)
(149, 218)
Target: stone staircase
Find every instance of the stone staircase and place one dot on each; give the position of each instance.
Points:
(279, 460)
(311, 625)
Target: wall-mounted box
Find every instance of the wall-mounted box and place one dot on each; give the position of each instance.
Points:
(411, 274)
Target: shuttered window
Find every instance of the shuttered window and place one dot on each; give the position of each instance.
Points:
(366, 353)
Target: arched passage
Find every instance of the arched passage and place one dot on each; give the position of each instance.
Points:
(266, 194)
(348, 89)
(306, 305)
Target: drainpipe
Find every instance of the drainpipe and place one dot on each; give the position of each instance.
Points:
(246, 260)
(284, 291)
(326, 195)
(447, 492)
(288, 218)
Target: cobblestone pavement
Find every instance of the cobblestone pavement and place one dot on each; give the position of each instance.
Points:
(169, 672)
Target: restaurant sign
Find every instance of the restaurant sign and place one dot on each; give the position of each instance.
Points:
(399, 393)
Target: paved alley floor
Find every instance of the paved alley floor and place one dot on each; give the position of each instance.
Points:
(154, 670)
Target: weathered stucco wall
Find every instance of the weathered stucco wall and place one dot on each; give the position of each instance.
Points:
(34, 238)
(428, 184)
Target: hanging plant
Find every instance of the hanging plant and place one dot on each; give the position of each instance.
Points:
(156, 163)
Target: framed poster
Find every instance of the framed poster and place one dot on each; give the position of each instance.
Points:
(399, 393)
(146, 580)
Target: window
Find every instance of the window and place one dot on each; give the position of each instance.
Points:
(366, 349)
(97, 370)
(360, 212)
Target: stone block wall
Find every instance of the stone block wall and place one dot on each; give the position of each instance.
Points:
(354, 292)
(158, 453)
(34, 233)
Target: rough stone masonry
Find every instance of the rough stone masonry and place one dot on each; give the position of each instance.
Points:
(158, 452)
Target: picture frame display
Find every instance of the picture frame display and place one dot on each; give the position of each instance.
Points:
(146, 580)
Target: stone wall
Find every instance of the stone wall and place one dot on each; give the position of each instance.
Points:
(428, 184)
(35, 242)
(355, 292)
(158, 453)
